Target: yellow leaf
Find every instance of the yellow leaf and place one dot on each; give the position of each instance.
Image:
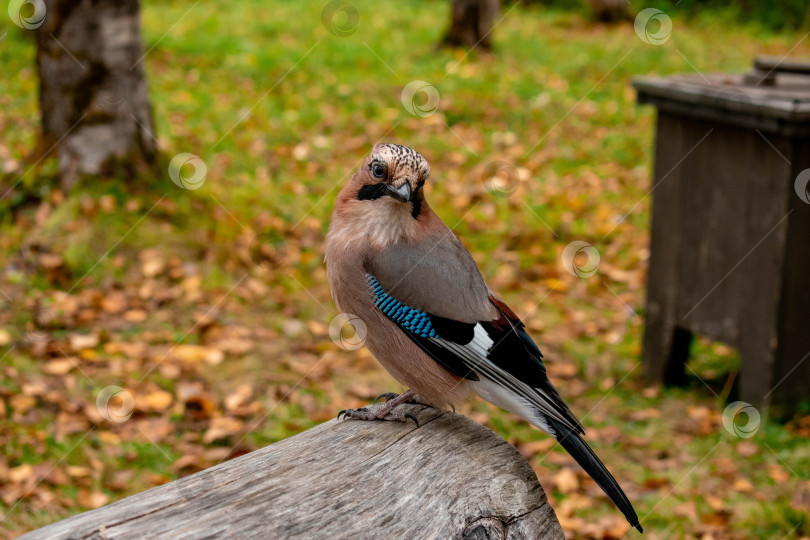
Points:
(59, 366)
(156, 401)
(21, 473)
(566, 480)
(76, 471)
(79, 342)
(22, 403)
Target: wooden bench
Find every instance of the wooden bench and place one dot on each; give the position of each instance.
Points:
(729, 254)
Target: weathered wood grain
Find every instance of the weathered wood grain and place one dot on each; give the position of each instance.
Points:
(448, 478)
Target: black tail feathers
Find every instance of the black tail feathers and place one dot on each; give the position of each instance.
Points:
(592, 465)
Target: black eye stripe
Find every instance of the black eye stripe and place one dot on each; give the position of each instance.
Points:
(372, 192)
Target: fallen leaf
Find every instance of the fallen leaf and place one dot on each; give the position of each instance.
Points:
(152, 262)
(687, 510)
(155, 401)
(59, 366)
(778, 474)
(51, 261)
(114, 302)
(79, 342)
(135, 315)
(239, 397)
(21, 473)
(715, 503)
(22, 403)
(222, 427)
(532, 448)
(566, 480)
(77, 471)
(199, 407)
(747, 448)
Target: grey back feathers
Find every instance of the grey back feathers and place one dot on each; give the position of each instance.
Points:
(437, 275)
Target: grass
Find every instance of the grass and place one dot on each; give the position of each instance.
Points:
(281, 111)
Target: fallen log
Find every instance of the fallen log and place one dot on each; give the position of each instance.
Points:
(448, 478)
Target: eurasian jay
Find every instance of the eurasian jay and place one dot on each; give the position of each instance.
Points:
(431, 321)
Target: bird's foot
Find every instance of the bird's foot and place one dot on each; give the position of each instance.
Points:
(364, 413)
(386, 410)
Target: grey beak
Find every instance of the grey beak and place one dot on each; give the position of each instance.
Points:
(402, 193)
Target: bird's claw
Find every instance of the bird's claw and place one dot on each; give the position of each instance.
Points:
(412, 417)
(387, 395)
(363, 413)
(349, 413)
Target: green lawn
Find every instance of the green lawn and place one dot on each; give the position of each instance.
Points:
(225, 350)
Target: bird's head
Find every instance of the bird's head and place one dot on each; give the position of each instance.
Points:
(392, 177)
(384, 202)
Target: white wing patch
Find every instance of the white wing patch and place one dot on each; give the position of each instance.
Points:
(506, 399)
(500, 387)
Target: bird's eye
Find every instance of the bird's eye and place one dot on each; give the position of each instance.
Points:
(377, 170)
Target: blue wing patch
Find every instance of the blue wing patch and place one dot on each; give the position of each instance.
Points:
(408, 318)
(419, 327)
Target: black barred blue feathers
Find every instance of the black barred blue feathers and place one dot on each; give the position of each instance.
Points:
(411, 319)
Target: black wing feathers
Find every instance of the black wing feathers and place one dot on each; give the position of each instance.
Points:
(443, 357)
(455, 331)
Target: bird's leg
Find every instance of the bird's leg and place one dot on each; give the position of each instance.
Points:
(386, 411)
(410, 395)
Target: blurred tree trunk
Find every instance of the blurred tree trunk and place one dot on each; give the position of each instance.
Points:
(471, 23)
(610, 10)
(92, 88)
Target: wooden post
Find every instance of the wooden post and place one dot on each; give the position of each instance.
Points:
(448, 478)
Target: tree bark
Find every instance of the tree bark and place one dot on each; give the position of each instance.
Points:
(448, 478)
(610, 11)
(93, 94)
(471, 23)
